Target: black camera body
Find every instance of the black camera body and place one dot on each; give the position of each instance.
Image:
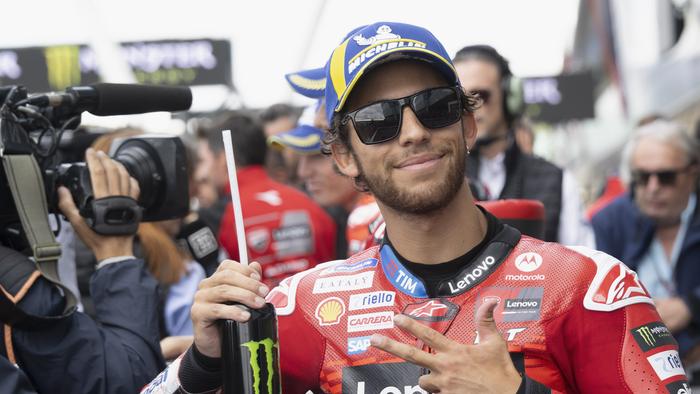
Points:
(34, 125)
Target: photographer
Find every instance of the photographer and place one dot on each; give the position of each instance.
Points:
(116, 352)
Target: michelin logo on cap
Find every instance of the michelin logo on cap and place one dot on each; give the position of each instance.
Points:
(383, 41)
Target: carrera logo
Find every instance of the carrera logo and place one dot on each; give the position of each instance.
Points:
(432, 310)
(528, 262)
(374, 299)
(329, 311)
(371, 321)
(343, 283)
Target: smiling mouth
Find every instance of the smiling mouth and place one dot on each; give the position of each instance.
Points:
(420, 162)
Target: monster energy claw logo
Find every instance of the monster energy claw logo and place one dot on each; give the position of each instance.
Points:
(645, 333)
(652, 335)
(268, 346)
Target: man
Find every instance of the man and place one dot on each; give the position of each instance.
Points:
(498, 161)
(329, 188)
(655, 228)
(285, 230)
(426, 310)
(118, 351)
(276, 119)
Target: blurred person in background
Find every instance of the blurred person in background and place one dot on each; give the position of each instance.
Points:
(352, 209)
(285, 230)
(655, 227)
(177, 273)
(116, 351)
(280, 165)
(497, 159)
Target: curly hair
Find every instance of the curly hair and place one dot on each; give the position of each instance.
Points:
(337, 134)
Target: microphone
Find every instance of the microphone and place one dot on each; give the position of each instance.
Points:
(104, 99)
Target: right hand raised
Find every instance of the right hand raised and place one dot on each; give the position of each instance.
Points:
(231, 283)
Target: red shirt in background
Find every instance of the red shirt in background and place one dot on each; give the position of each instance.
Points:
(286, 231)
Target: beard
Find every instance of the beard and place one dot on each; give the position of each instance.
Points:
(417, 202)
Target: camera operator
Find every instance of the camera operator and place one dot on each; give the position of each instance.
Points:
(118, 351)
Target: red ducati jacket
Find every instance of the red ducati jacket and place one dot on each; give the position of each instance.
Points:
(286, 232)
(575, 320)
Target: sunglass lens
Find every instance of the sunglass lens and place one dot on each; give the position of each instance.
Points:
(378, 122)
(666, 178)
(436, 108)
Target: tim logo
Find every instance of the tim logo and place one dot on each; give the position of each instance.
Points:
(528, 262)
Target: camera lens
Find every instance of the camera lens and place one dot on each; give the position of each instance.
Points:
(138, 158)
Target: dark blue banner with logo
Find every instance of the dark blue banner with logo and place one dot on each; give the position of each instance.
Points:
(166, 62)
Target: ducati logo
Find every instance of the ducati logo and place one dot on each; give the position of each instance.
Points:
(528, 262)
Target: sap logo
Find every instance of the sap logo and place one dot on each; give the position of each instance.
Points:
(374, 299)
(528, 262)
(393, 390)
(472, 276)
(343, 283)
(358, 345)
(351, 267)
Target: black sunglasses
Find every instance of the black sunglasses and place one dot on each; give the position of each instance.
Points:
(381, 121)
(484, 95)
(664, 177)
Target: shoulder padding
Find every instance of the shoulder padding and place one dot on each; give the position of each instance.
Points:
(614, 286)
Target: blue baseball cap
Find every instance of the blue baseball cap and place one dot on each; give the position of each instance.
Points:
(310, 83)
(375, 44)
(303, 139)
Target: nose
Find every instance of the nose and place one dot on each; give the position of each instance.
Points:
(303, 168)
(412, 131)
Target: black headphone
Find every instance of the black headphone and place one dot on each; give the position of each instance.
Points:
(511, 86)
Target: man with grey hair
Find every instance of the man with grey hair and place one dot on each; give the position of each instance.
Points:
(655, 227)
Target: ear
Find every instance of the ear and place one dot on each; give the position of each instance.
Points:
(469, 128)
(344, 160)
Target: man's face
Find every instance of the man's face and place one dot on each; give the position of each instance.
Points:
(479, 75)
(326, 186)
(421, 170)
(662, 203)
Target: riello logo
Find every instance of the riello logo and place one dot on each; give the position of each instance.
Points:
(268, 346)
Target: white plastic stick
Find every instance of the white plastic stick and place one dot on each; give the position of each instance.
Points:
(235, 198)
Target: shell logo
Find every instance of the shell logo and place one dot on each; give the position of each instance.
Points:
(329, 311)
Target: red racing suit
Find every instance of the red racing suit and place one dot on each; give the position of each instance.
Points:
(575, 320)
(286, 232)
